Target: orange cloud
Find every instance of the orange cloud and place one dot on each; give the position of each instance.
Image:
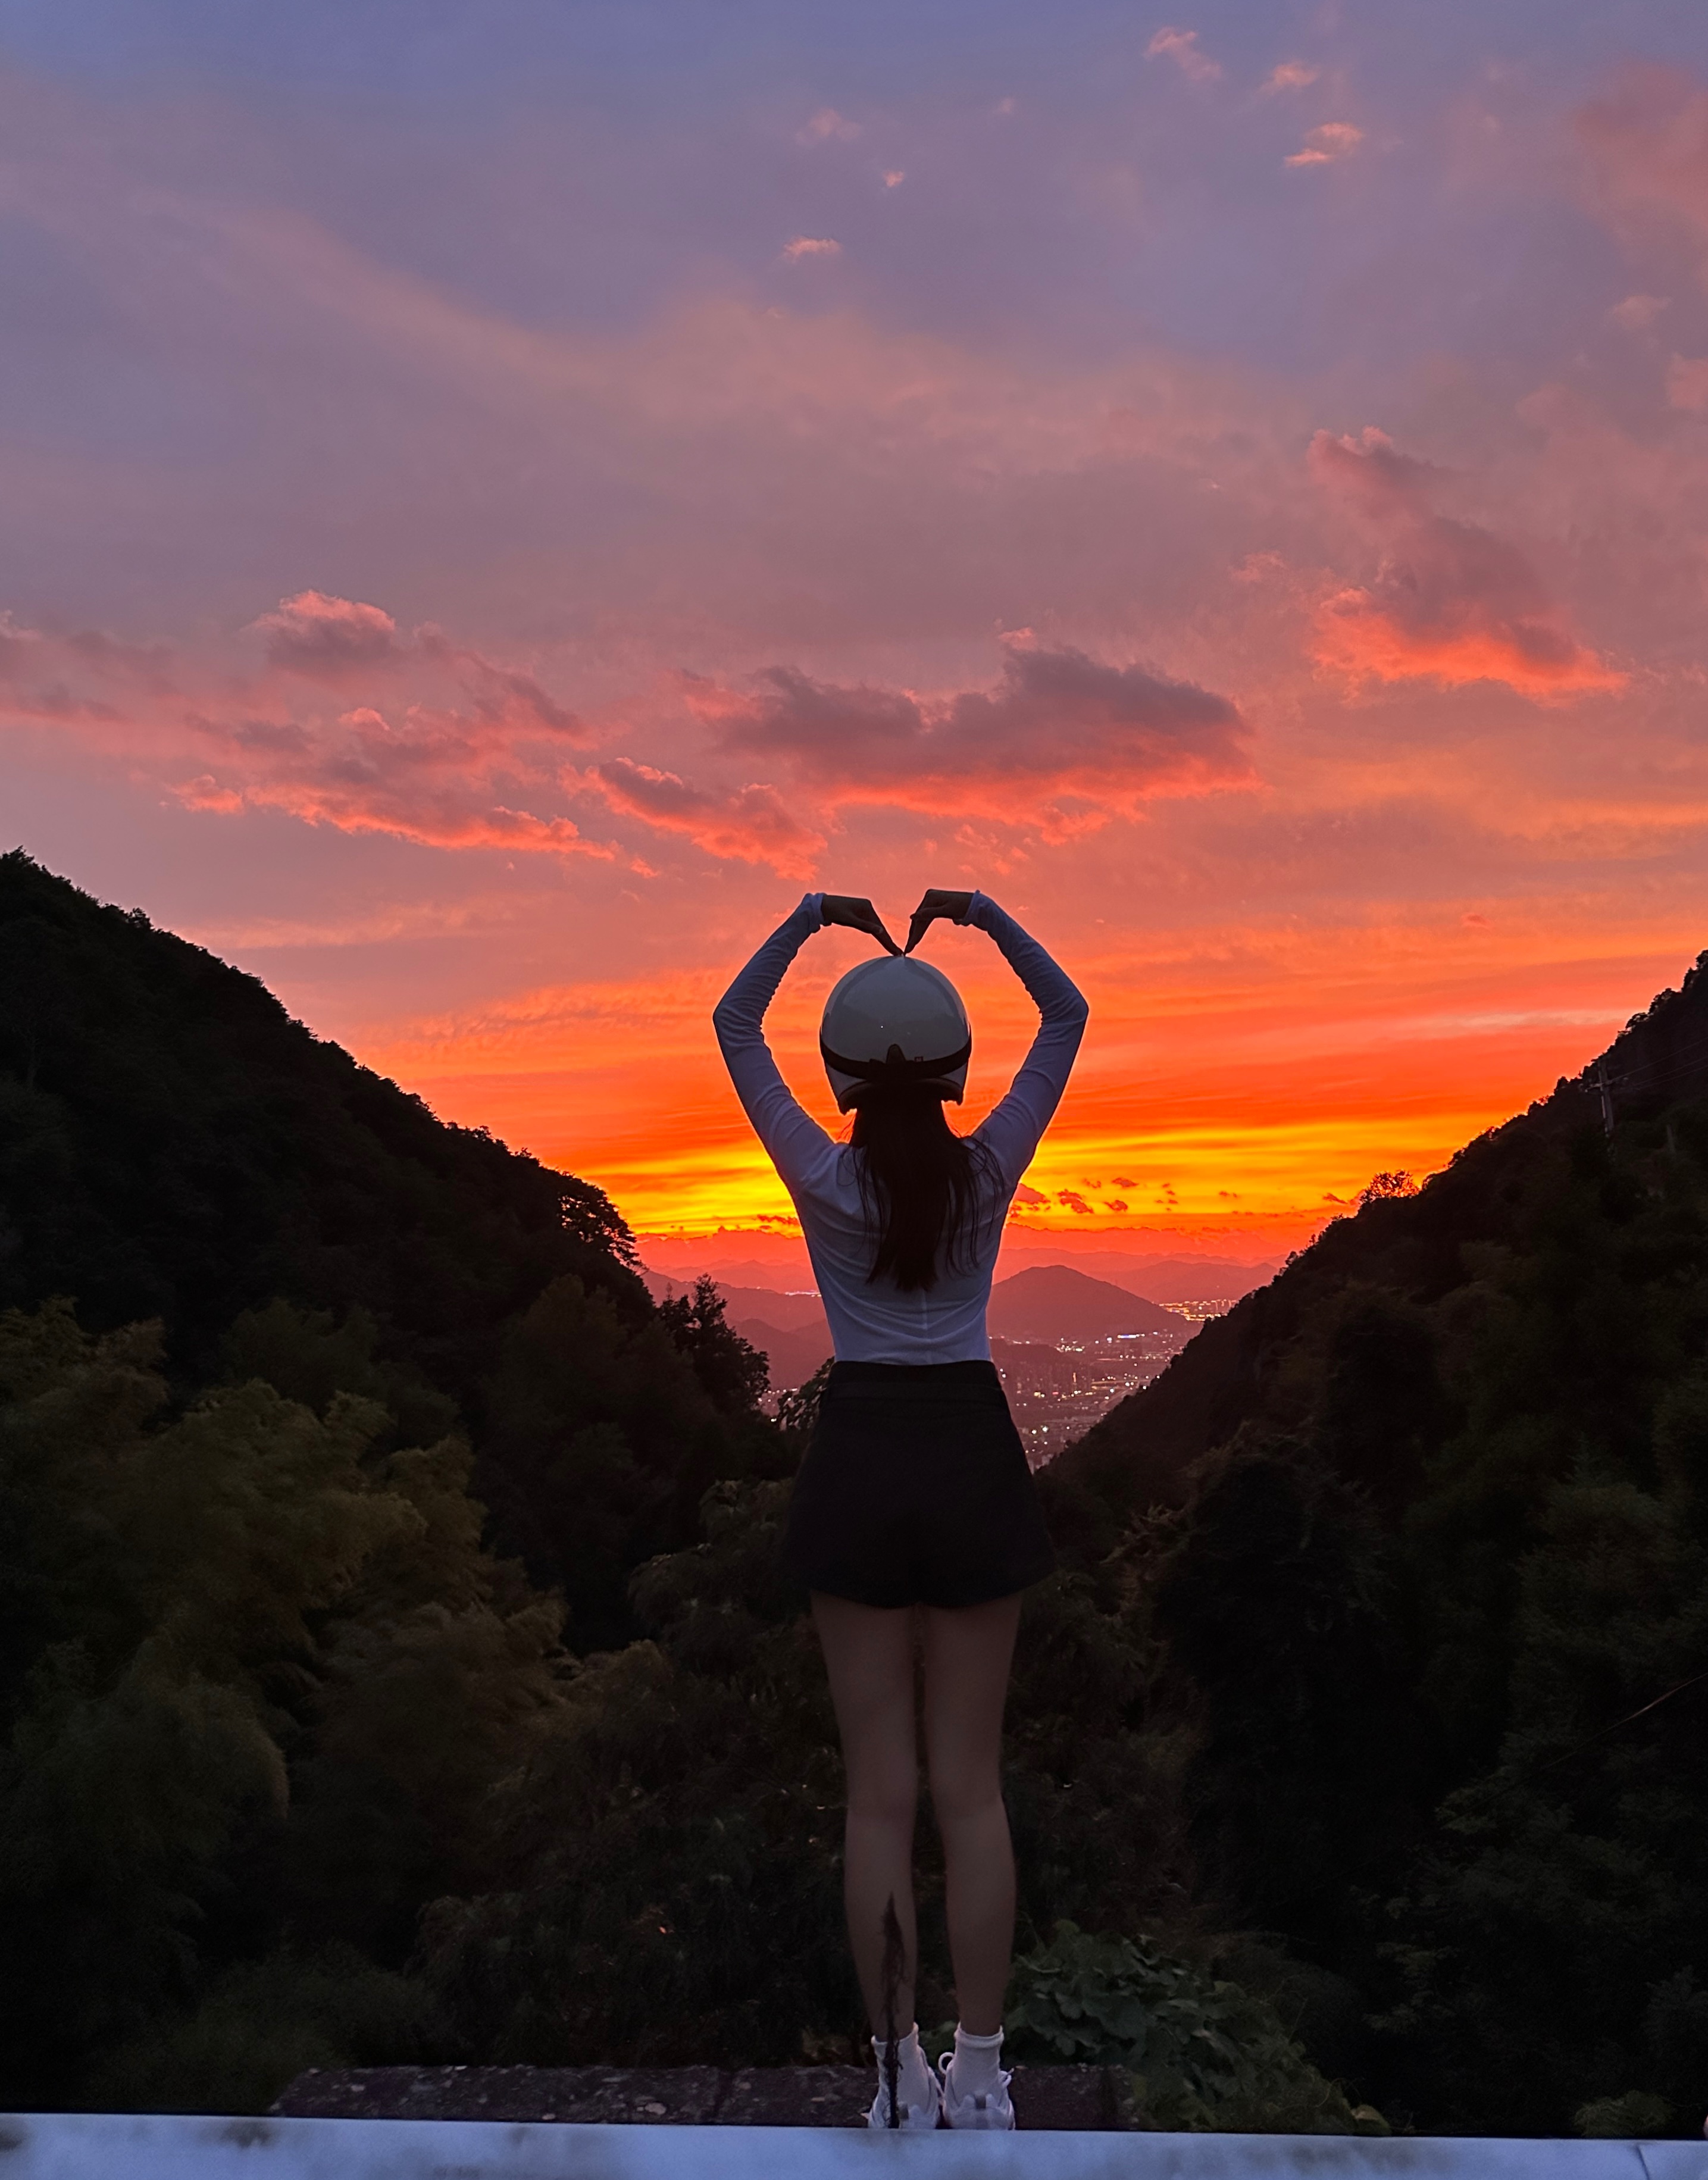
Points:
(750, 823)
(1057, 723)
(1451, 603)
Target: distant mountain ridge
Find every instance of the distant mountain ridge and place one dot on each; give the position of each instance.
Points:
(1053, 1302)
(1046, 1304)
(1170, 1280)
(1166, 1280)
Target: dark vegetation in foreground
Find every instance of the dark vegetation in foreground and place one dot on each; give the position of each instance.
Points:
(394, 1663)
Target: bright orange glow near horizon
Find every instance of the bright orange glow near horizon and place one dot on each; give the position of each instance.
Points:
(1230, 1118)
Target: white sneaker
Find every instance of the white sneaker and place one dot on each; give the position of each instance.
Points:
(913, 2117)
(992, 2108)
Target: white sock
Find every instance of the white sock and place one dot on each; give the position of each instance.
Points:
(912, 2067)
(973, 2069)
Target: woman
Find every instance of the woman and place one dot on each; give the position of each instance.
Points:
(914, 1514)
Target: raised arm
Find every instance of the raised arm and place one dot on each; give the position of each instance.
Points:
(791, 1134)
(1012, 1131)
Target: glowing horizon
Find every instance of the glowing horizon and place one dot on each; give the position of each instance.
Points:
(1151, 1152)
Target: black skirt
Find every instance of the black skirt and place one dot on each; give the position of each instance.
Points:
(915, 1489)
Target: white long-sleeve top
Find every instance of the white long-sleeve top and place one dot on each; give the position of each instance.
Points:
(874, 1321)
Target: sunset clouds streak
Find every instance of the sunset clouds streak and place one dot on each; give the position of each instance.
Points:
(1057, 723)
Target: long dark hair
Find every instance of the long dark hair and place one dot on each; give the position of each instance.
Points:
(921, 1185)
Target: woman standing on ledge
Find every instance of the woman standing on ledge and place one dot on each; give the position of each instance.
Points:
(915, 1517)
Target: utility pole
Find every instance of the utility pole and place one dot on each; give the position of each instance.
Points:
(1606, 1097)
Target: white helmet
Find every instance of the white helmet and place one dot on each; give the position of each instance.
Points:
(894, 1021)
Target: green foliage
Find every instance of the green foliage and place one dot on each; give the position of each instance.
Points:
(259, 1682)
(602, 1439)
(671, 1885)
(1202, 2053)
(262, 2023)
(1435, 1607)
(668, 1888)
(732, 1373)
(1618, 2118)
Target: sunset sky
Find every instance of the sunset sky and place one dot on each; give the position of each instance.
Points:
(497, 499)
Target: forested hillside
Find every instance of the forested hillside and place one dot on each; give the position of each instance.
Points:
(174, 1148)
(1436, 1602)
(395, 1661)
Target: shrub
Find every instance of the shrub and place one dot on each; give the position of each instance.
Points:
(1202, 2054)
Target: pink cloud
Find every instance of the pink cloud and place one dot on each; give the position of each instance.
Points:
(1057, 723)
(1327, 145)
(432, 822)
(501, 696)
(1450, 603)
(1637, 313)
(429, 775)
(1686, 383)
(1648, 147)
(327, 638)
(449, 741)
(828, 124)
(750, 823)
(810, 245)
(1181, 48)
(1289, 75)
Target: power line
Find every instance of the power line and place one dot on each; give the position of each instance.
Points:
(1644, 1074)
(1643, 1710)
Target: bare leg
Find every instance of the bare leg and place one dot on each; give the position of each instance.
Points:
(868, 1654)
(968, 1656)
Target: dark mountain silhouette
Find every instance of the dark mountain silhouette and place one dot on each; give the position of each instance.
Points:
(1174, 1279)
(1042, 1306)
(1053, 1302)
(788, 1313)
(792, 1356)
(1421, 1530)
(173, 1146)
(1242, 1367)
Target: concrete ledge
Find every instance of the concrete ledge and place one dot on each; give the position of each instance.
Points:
(118, 2146)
